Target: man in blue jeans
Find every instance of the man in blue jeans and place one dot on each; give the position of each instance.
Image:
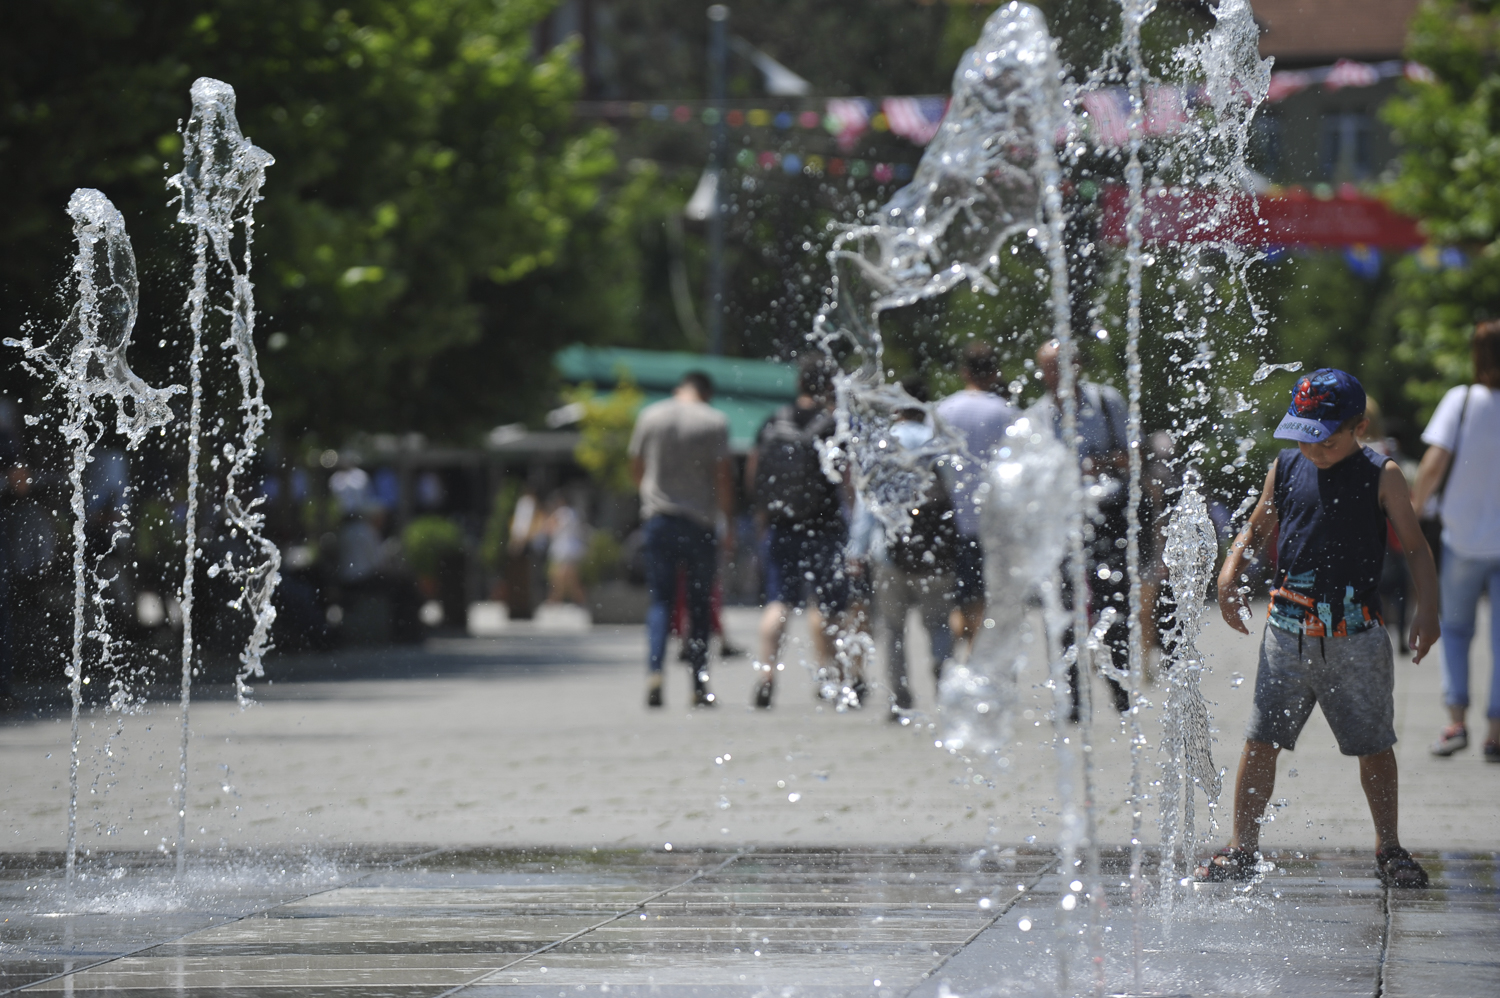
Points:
(679, 458)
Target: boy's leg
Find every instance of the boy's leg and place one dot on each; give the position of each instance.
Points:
(1377, 774)
(1253, 787)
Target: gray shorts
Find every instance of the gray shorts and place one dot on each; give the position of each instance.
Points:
(1352, 677)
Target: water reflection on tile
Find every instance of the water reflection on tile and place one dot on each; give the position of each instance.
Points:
(482, 924)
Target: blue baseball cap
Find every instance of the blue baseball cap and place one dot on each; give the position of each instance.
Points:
(1321, 402)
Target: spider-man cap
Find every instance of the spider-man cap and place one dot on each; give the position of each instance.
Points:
(1321, 401)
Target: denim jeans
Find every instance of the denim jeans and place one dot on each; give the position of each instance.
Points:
(1463, 580)
(674, 542)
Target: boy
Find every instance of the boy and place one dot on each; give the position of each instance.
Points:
(1325, 641)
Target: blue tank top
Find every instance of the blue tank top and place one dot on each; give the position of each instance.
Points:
(1332, 544)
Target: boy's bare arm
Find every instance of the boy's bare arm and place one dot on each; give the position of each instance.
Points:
(1232, 602)
(1395, 499)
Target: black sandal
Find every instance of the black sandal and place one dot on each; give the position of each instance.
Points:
(1229, 865)
(1398, 869)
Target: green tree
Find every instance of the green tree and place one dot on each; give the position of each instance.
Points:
(435, 225)
(1450, 178)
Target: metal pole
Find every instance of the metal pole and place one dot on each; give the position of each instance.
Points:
(718, 50)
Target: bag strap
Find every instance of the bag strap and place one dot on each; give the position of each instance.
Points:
(1457, 436)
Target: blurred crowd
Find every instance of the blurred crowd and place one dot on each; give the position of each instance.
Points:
(825, 555)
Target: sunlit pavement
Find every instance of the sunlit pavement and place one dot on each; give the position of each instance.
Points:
(542, 741)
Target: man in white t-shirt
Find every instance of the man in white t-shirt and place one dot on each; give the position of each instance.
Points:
(1463, 441)
(980, 416)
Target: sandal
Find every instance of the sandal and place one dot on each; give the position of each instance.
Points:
(1229, 865)
(1398, 869)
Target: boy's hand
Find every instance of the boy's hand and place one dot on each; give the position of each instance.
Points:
(1232, 603)
(1424, 632)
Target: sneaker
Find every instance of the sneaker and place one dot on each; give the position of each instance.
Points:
(1453, 738)
(1492, 751)
(653, 697)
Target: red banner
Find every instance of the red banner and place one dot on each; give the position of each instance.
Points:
(1255, 220)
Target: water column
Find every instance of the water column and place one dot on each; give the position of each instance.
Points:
(222, 173)
(86, 361)
(1133, 14)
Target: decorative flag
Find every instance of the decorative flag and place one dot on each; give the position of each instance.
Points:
(916, 119)
(848, 118)
(1286, 83)
(1348, 73)
(1109, 111)
(1418, 73)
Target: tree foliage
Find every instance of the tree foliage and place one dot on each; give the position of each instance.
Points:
(431, 199)
(1450, 178)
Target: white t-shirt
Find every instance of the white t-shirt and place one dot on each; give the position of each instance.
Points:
(982, 418)
(1471, 499)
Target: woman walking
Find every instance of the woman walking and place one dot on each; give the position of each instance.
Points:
(1462, 465)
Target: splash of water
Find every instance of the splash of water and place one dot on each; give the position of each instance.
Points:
(981, 181)
(976, 186)
(1024, 543)
(220, 182)
(1190, 551)
(86, 362)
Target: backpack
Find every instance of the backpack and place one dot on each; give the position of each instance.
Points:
(789, 481)
(930, 542)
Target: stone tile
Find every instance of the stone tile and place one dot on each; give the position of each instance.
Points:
(1288, 935)
(1443, 941)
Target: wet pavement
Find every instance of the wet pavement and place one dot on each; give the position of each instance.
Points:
(746, 923)
(812, 852)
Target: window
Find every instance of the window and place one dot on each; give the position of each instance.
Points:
(1346, 146)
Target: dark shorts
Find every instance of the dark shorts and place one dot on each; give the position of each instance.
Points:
(968, 571)
(1352, 677)
(805, 561)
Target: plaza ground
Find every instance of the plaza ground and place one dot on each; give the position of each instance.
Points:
(407, 822)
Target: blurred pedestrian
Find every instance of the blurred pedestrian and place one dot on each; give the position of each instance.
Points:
(1106, 464)
(679, 459)
(916, 571)
(567, 544)
(805, 530)
(980, 416)
(1462, 465)
(1160, 482)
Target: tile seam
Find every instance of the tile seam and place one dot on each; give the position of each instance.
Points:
(1005, 910)
(637, 906)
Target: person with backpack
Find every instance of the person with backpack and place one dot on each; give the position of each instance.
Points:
(803, 512)
(917, 568)
(1106, 464)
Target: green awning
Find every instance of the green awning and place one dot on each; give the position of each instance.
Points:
(746, 391)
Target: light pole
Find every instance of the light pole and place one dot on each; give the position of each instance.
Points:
(718, 51)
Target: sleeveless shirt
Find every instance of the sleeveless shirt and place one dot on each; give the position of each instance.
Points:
(1331, 546)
